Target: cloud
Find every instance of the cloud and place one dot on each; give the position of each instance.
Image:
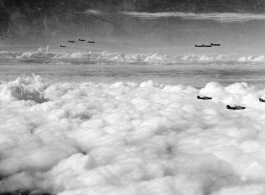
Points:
(126, 138)
(93, 12)
(44, 56)
(220, 17)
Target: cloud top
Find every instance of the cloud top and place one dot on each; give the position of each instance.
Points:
(128, 137)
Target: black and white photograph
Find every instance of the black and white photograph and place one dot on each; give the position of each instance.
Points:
(132, 97)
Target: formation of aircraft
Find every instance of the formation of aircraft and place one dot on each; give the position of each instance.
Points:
(235, 107)
(72, 41)
(203, 45)
(215, 44)
(211, 45)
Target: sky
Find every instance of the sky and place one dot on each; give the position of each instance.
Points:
(162, 26)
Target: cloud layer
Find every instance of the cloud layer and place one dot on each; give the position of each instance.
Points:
(45, 56)
(126, 138)
(220, 17)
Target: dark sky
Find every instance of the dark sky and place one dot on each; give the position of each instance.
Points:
(199, 6)
(24, 21)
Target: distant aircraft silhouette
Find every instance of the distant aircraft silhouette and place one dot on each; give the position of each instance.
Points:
(199, 45)
(204, 98)
(91, 41)
(235, 107)
(261, 100)
(217, 44)
(82, 40)
(63, 46)
(71, 41)
(203, 45)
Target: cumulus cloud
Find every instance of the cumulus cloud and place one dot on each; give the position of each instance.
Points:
(45, 56)
(219, 17)
(126, 138)
(94, 12)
